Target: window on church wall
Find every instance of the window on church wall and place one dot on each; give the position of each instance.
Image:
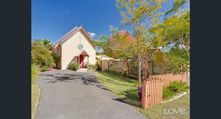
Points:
(80, 45)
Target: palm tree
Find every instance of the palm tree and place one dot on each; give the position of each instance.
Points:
(47, 43)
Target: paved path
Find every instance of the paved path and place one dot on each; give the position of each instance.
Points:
(82, 70)
(77, 95)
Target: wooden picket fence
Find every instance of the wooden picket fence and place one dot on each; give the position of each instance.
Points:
(152, 92)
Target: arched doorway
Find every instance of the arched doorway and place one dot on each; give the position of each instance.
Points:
(83, 59)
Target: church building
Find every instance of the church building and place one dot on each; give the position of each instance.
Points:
(75, 46)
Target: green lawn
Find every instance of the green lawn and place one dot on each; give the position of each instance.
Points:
(35, 93)
(126, 89)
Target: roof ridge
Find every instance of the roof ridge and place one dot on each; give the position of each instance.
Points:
(65, 35)
(73, 31)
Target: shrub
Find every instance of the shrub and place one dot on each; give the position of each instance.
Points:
(34, 71)
(98, 67)
(74, 66)
(92, 67)
(178, 86)
(41, 56)
(173, 88)
(167, 93)
(44, 68)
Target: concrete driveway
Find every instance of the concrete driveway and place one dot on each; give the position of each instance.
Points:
(77, 95)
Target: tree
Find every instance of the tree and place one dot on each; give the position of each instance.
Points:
(47, 43)
(174, 32)
(177, 60)
(178, 31)
(101, 42)
(139, 14)
(40, 53)
(121, 44)
(44, 43)
(176, 6)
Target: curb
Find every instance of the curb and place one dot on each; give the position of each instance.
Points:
(174, 98)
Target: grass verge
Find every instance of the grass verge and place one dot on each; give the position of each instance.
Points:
(177, 109)
(126, 89)
(35, 93)
(35, 90)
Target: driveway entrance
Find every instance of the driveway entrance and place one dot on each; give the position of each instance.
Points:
(77, 95)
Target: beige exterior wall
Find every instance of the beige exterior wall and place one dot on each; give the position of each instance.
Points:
(70, 49)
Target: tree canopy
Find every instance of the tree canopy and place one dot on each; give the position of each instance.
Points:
(44, 43)
(40, 53)
(176, 6)
(101, 42)
(175, 32)
(120, 45)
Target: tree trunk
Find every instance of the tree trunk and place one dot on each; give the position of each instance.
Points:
(139, 60)
(125, 67)
(186, 48)
(139, 71)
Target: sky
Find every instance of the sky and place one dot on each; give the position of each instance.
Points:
(51, 19)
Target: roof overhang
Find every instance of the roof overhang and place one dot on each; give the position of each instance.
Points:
(72, 32)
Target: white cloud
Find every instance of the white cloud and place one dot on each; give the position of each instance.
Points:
(91, 34)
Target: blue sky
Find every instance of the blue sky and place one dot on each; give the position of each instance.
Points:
(51, 19)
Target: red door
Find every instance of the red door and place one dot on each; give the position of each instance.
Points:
(81, 61)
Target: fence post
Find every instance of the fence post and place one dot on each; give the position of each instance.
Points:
(101, 64)
(144, 102)
(108, 65)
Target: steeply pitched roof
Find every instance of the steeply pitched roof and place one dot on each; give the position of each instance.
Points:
(72, 32)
